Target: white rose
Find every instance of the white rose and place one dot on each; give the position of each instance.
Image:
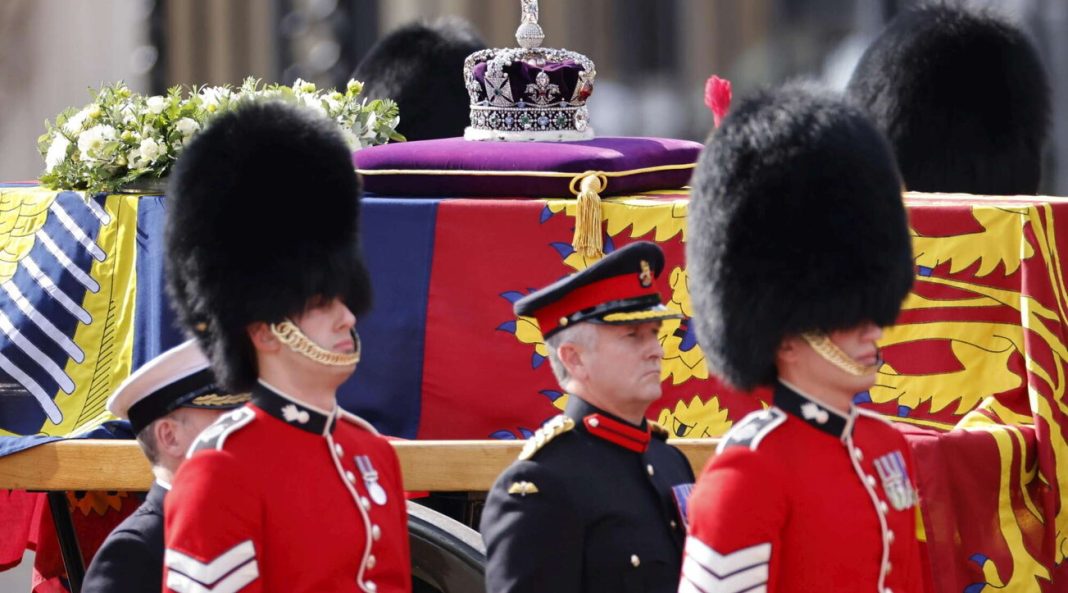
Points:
(150, 150)
(187, 126)
(57, 152)
(74, 124)
(156, 104)
(92, 140)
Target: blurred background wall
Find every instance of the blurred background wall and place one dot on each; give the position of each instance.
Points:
(652, 57)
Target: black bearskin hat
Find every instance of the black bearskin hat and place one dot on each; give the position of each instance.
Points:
(796, 224)
(962, 97)
(262, 220)
(420, 66)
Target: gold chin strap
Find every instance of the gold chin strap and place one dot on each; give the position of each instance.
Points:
(290, 335)
(830, 352)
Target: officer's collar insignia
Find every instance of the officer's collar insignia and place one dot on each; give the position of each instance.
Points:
(645, 277)
(522, 488)
(620, 433)
(815, 414)
(896, 483)
(555, 427)
(292, 412)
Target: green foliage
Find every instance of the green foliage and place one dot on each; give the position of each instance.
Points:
(122, 136)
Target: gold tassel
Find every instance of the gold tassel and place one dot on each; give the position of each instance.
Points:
(588, 241)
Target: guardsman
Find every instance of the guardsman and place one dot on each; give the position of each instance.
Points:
(420, 67)
(963, 98)
(168, 401)
(799, 253)
(593, 504)
(290, 493)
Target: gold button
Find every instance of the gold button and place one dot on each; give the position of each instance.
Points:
(858, 454)
(376, 532)
(889, 537)
(649, 469)
(371, 561)
(634, 560)
(370, 585)
(350, 477)
(366, 504)
(563, 321)
(870, 480)
(339, 450)
(883, 509)
(594, 422)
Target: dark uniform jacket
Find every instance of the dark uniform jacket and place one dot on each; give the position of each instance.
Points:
(131, 558)
(592, 510)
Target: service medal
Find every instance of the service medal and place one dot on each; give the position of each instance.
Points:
(896, 483)
(370, 479)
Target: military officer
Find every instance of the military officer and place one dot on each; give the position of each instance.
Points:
(168, 401)
(963, 98)
(290, 493)
(799, 254)
(593, 502)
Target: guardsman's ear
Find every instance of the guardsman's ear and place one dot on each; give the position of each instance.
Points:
(788, 349)
(262, 338)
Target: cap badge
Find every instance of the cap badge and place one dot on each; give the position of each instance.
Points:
(645, 278)
(370, 479)
(811, 411)
(895, 478)
(292, 414)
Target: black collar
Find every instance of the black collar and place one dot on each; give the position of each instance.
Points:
(293, 412)
(813, 412)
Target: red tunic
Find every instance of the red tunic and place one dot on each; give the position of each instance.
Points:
(802, 499)
(278, 496)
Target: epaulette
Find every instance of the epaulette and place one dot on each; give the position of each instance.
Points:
(555, 427)
(658, 430)
(752, 429)
(215, 434)
(354, 419)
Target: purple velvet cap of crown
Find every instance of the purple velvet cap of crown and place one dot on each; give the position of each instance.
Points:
(522, 75)
(407, 168)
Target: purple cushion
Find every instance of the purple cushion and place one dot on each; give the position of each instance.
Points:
(420, 168)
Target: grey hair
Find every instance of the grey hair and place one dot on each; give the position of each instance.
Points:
(147, 439)
(582, 334)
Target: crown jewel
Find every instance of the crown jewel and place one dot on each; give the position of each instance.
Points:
(529, 92)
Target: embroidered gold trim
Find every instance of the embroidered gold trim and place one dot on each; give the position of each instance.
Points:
(830, 352)
(289, 334)
(214, 399)
(640, 315)
(555, 427)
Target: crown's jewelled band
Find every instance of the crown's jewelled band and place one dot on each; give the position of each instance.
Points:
(530, 119)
